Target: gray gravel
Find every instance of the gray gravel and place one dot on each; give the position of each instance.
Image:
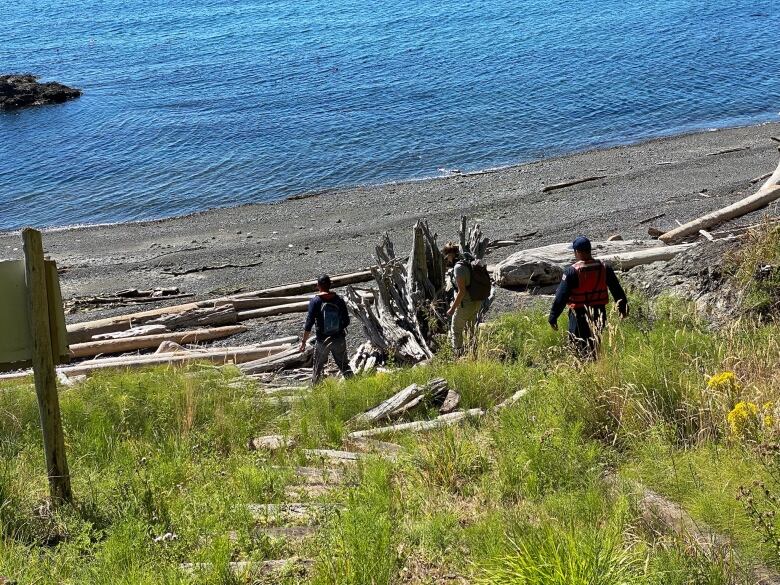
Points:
(261, 245)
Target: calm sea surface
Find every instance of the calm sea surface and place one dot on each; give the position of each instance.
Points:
(195, 104)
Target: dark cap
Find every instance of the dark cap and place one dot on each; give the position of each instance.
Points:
(324, 281)
(581, 243)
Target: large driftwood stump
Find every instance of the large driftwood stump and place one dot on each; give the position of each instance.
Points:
(409, 309)
(406, 295)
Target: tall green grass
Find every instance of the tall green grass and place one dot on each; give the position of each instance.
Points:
(525, 495)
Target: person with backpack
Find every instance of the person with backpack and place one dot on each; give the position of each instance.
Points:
(585, 288)
(471, 283)
(329, 312)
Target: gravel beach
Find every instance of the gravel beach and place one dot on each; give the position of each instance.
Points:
(255, 246)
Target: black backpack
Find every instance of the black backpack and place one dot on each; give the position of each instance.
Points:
(480, 286)
(331, 318)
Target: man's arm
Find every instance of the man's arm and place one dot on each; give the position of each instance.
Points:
(568, 282)
(310, 318)
(617, 292)
(461, 282)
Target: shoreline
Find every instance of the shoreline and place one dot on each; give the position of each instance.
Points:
(226, 250)
(319, 192)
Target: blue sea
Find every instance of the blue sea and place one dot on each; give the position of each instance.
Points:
(195, 104)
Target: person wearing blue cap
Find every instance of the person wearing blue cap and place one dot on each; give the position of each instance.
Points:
(585, 288)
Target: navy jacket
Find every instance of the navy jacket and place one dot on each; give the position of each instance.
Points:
(314, 315)
(570, 282)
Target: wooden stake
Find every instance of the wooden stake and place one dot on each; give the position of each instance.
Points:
(43, 368)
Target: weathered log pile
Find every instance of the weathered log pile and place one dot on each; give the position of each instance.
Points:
(435, 393)
(256, 358)
(413, 395)
(135, 343)
(164, 329)
(221, 311)
(403, 316)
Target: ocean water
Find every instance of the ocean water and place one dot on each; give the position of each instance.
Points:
(196, 104)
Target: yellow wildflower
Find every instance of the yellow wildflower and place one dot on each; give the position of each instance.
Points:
(724, 381)
(768, 412)
(743, 418)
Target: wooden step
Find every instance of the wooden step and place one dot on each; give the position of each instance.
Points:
(257, 568)
(271, 443)
(366, 445)
(308, 513)
(284, 532)
(307, 491)
(316, 475)
(333, 456)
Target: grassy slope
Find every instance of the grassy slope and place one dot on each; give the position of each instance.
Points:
(516, 497)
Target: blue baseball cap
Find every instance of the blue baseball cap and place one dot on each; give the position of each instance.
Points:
(581, 243)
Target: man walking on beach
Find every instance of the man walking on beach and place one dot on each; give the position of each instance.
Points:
(329, 312)
(470, 291)
(585, 288)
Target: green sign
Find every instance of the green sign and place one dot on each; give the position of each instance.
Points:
(15, 338)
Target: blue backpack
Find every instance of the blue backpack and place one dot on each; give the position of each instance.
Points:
(331, 318)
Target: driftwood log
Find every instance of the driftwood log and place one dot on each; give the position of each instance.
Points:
(93, 348)
(769, 192)
(133, 332)
(298, 307)
(217, 356)
(658, 512)
(571, 183)
(406, 400)
(291, 357)
(198, 318)
(309, 286)
(396, 401)
(417, 426)
(544, 266)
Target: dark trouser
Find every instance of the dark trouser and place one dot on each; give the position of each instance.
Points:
(585, 326)
(337, 347)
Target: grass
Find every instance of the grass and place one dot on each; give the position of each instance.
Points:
(756, 267)
(541, 492)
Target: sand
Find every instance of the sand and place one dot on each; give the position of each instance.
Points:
(254, 246)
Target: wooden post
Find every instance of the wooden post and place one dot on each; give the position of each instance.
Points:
(43, 367)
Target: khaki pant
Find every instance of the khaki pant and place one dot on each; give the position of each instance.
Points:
(464, 322)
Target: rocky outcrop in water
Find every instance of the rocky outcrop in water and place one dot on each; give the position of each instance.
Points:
(21, 91)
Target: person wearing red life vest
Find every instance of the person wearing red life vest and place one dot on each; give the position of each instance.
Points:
(585, 288)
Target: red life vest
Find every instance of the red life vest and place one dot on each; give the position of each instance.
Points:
(591, 289)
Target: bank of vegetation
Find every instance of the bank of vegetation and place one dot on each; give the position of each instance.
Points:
(553, 489)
